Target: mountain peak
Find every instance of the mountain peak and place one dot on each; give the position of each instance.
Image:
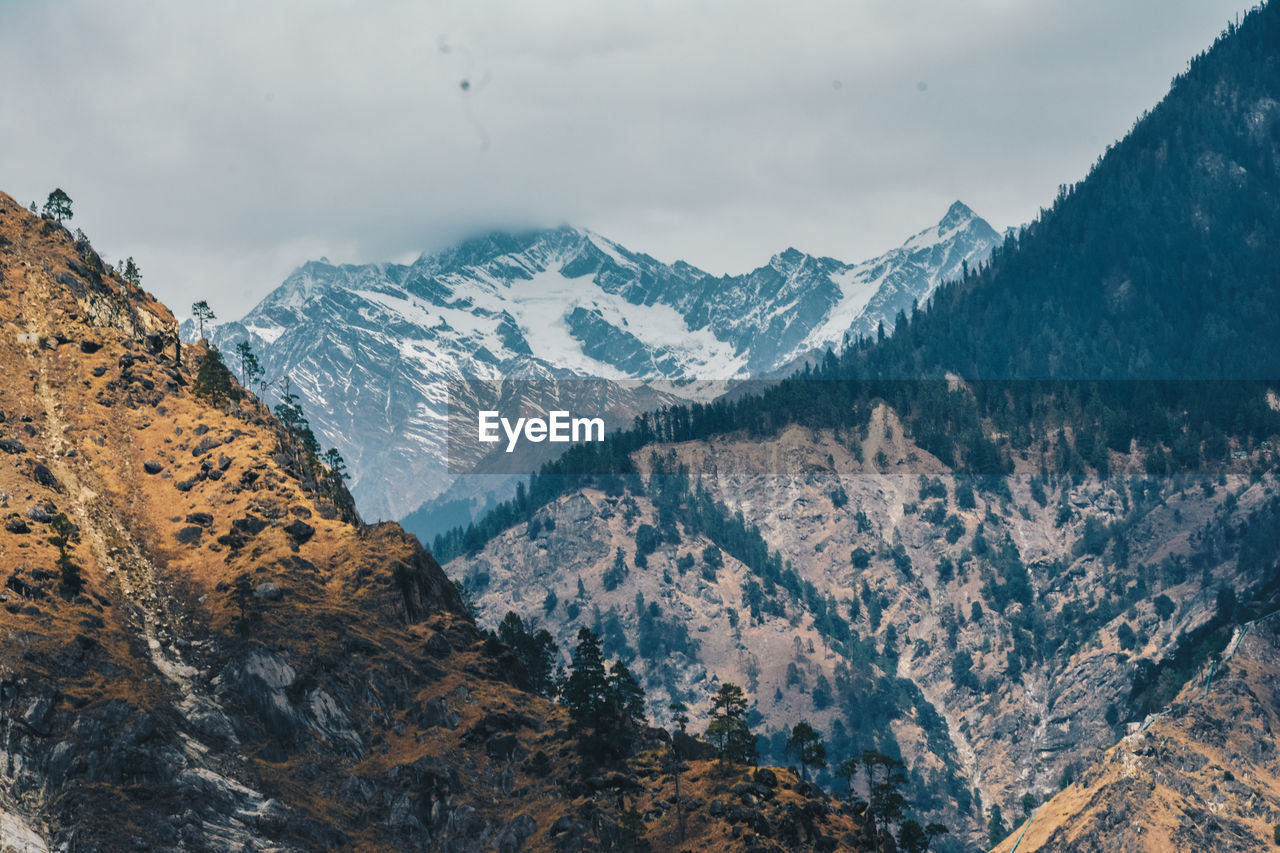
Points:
(959, 217)
(787, 259)
(958, 213)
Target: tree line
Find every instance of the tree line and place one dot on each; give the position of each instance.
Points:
(606, 704)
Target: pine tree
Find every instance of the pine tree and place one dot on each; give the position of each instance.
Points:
(914, 838)
(241, 595)
(626, 695)
(58, 205)
(64, 534)
(675, 764)
(727, 732)
(806, 745)
(132, 274)
(202, 312)
(617, 573)
(336, 475)
(213, 379)
(535, 652)
(606, 706)
(996, 830)
(887, 801)
(251, 369)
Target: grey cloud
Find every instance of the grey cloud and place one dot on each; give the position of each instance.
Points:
(223, 144)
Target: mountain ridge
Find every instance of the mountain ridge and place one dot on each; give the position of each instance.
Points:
(369, 348)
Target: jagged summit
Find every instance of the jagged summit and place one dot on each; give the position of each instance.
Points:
(368, 346)
(958, 213)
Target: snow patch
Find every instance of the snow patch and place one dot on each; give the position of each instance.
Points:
(269, 334)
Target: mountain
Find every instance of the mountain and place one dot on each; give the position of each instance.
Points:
(204, 649)
(1201, 775)
(988, 631)
(375, 351)
(1160, 265)
(1032, 515)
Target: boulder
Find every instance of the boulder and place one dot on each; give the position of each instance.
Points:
(189, 535)
(299, 530)
(209, 442)
(435, 714)
(512, 837)
(42, 513)
(44, 477)
(268, 591)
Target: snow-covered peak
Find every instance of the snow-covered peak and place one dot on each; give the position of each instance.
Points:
(959, 214)
(369, 347)
(958, 220)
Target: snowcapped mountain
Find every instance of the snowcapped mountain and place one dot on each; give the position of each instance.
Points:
(371, 349)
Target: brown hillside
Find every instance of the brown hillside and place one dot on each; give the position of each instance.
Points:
(362, 709)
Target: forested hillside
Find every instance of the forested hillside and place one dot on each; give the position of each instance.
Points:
(1022, 517)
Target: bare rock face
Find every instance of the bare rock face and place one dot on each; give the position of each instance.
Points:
(1196, 777)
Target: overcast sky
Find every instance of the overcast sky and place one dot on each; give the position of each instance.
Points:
(223, 144)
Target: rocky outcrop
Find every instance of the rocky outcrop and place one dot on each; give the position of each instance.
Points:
(1202, 775)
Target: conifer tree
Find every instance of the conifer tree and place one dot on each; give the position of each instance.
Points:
(132, 274)
(605, 703)
(213, 379)
(241, 595)
(58, 205)
(996, 830)
(535, 652)
(251, 369)
(202, 312)
(727, 732)
(64, 534)
(806, 745)
(675, 764)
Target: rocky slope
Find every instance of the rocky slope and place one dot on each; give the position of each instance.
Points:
(376, 351)
(1050, 601)
(202, 651)
(1202, 775)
